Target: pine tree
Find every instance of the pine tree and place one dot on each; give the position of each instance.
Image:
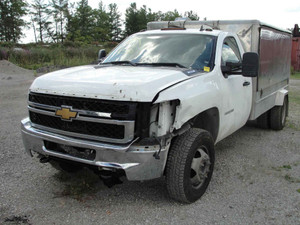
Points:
(131, 20)
(137, 19)
(102, 26)
(59, 12)
(81, 23)
(11, 19)
(114, 18)
(40, 15)
(171, 15)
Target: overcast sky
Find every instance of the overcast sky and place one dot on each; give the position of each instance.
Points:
(282, 14)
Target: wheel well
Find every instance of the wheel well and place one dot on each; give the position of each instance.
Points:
(208, 120)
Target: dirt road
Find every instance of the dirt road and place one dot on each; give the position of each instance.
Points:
(256, 178)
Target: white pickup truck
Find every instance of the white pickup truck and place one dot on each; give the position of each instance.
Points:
(160, 101)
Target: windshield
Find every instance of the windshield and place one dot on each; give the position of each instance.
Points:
(189, 50)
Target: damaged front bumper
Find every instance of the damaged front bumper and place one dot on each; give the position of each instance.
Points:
(136, 160)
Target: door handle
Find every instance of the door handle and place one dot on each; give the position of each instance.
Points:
(246, 83)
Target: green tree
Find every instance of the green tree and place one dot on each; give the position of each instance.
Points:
(81, 23)
(40, 15)
(114, 19)
(192, 15)
(152, 16)
(11, 19)
(156, 16)
(70, 14)
(59, 12)
(170, 15)
(142, 18)
(101, 29)
(131, 20)
(137, 19)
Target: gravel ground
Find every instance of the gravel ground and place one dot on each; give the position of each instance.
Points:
(256, 178)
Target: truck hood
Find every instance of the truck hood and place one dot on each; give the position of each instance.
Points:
(123, 83)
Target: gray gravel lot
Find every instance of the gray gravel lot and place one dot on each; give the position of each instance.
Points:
(256, 178)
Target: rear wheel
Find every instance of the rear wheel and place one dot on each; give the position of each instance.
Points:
(278, 115)
(190, 165)
(263, 121)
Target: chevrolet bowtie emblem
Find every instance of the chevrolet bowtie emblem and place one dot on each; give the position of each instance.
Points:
(66, 113)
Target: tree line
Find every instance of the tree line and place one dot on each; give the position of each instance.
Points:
(57, 21)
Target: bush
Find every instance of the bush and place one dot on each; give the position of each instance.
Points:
(111, 44)
(69, 44)
(7, 44)
(3, 53)
(292, 70)
(34, 56)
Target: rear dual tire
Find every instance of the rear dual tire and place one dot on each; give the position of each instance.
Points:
(278, 115)
(274, 118)
(263, 121)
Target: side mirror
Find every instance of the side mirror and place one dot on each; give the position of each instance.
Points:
(101, 55)
(250, 64)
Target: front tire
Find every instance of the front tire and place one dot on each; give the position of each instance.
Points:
(190, 165)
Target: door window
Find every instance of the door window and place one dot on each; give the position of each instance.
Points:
(230, 51)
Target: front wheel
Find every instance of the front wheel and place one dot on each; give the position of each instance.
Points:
(190, 165)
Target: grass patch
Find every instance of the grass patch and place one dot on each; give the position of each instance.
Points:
(298, 190)
(292, 125)
(287, 167)
(296, 163)
(284, 167)
(291, 179)
(294, 98)
(295, 76)
(294, 109)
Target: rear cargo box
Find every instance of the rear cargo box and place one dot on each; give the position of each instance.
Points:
(272, 44)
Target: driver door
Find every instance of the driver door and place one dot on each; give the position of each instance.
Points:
(237, 89)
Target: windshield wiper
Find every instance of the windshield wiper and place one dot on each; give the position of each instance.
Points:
(162, 64)
(121, 62)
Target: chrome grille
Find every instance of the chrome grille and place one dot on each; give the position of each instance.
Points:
(80, 127)
(116, 125)
(118, 109)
